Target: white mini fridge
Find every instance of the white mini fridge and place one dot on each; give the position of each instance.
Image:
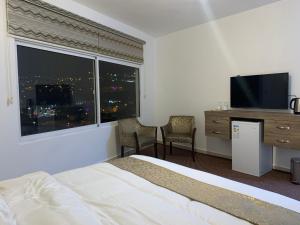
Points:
(249, 154)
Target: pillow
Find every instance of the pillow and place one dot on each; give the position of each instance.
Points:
(6, 216)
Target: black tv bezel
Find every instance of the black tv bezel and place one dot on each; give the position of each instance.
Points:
(262, 107)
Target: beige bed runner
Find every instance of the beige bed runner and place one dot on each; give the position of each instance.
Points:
(247, 208)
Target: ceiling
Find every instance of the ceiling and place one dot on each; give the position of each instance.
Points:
(160, 17)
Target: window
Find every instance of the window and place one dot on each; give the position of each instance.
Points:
(119, 91)
(57, 91)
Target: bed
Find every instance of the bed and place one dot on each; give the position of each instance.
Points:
(106, 194)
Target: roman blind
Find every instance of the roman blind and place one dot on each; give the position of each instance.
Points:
(41, 21)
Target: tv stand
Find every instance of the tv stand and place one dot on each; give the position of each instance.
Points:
(279, 128)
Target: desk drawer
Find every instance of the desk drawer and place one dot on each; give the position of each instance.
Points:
(281, 127)
(285, 141)
(217, 120)
(217, 127)
(221, 132)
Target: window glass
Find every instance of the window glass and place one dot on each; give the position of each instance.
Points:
(119, 91)
(57, 91)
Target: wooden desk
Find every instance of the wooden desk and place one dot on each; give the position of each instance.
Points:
(279, 129)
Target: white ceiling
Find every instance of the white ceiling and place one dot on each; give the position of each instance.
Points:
(160, 17)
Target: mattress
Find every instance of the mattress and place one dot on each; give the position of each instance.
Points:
(105, 194)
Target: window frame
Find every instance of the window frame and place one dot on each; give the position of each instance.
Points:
(68, 51)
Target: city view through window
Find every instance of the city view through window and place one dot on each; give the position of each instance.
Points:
(119, 91)
(58, 91)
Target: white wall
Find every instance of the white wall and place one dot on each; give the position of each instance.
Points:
(73, 149)
(194, 65)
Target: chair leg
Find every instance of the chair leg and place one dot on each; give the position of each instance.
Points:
(193, 152)
(165, 150)
(171, 148)
(137, 144)
(155, 149)
(138, 150)
(193, 144)
(122, 151)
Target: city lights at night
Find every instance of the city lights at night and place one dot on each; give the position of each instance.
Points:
(58, 91)
(119, 91)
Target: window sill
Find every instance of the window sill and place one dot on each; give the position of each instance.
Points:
(56, 134)
(109, 124)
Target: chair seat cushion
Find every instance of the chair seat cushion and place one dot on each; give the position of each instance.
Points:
(145, 140)
(181, 138)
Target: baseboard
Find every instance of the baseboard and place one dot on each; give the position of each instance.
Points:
(178, 145)
(280, 168)
(128, 152)
(182, 146)
(112, 158)
(199, 150)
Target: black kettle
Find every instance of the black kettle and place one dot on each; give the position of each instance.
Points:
(295, 105)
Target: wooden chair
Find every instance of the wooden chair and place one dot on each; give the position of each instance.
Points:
(180, 129)
(135, 135)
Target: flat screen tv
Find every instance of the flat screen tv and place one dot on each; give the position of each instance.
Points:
(266, 91)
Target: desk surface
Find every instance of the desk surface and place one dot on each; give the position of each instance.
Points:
(254, 114)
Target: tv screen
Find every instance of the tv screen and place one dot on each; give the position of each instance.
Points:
(268, 91)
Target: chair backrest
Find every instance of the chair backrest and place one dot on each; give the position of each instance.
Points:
(182, 124)
(127, 127)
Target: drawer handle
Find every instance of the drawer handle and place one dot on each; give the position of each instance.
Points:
(216, 121)
(283, 141)
(216, 132)
(283, 127)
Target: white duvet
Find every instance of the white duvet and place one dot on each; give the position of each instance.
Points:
(105, 194)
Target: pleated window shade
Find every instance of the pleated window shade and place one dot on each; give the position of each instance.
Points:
(41, 21)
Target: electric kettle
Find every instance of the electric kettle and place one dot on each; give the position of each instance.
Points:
(295, 105)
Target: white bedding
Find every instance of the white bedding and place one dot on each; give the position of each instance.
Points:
(38, 199)
(245, 189)
(104, 194)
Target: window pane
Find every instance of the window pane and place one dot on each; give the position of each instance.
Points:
(57, 91)
(119, 91)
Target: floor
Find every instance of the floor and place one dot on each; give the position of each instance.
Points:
(275, 181)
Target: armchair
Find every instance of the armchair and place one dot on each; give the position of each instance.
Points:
(135, 135)
(180, 129)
